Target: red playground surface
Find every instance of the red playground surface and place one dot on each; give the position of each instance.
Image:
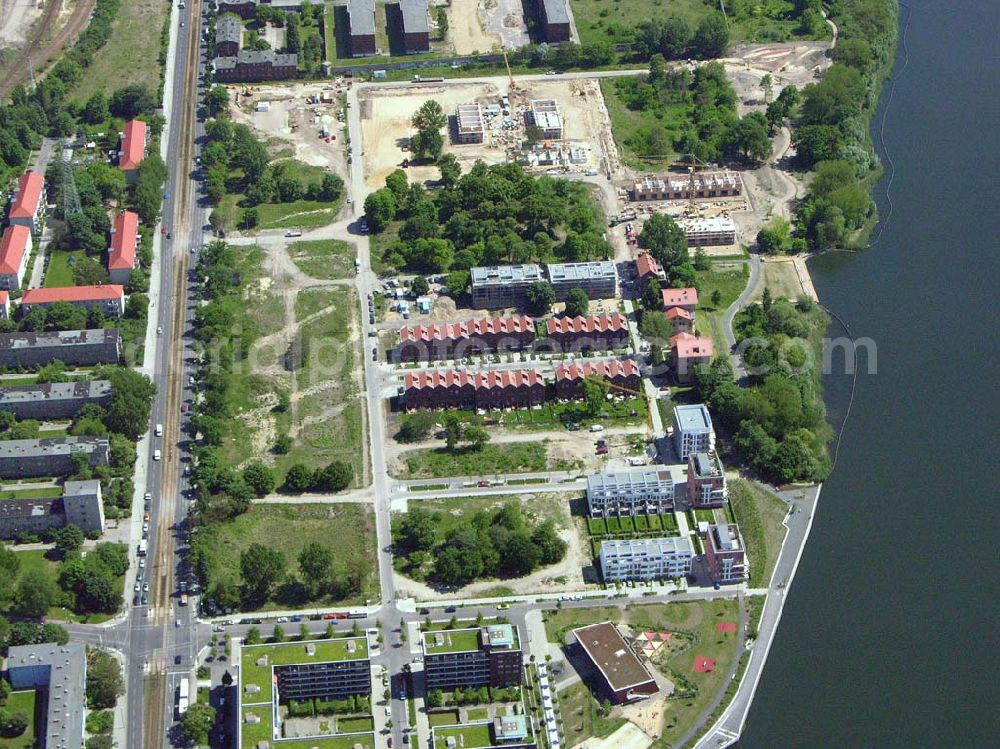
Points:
(703, 665)
(727, 627)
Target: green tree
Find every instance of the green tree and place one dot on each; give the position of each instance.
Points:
(217, 99)
(278, 633)
(68, 539)
(34, 594)
(595, 391)
(12, 723)
(131, 399)
(298, 479)
(104, 680)
(196, 723)
(380, 209)
(665, 240)
(652, 295)
(261, 568)
(419, 286)
(249, 219)
(335, 477)
(540, 297)
(253, 636)
(716, 298)
(476, 436)
(577, 303)
(259, 477)
(449, 167)
(315, 565)
(96, 110)
(418, 530)
(428, 120)
(711, 38)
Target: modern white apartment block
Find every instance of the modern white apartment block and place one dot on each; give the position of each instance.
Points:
(693, 432)
(644, 491)
(646, 558)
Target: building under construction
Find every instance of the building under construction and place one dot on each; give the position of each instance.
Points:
(708, 232)
(694, 186)
(546, 119)
(469, 123)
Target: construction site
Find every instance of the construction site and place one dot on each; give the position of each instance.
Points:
(550, 125)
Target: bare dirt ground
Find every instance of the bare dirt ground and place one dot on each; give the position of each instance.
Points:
(505, 18)
(386, 128)
(293, 124)
(465, 27)
(16, 18)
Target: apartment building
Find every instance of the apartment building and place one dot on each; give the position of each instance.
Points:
(599, 279)
(132, 147)
(623, 676)
(553, 17)
(593, 332)
(648, 269)
(249, 66)
(681, 321)
(693, 431)
(53, 400)
(59, 673)
(27, 205)
(472, 658)
(415, 26)
(122, 253)
(726, 554)
(362, 27)
(643, 491)
(15, 249)
(228, 36)
(488, 390)
(84, 348)
(687, 351)
(685, 299)
(708, 232)
(640, 559)
(623, 375)
(49, 456)
(458, 340)
(81, 504)
(503, 286)
(706, 480)
(696, 186)
(110, 298)
(545, 118)
(329, 679)
(469, 127)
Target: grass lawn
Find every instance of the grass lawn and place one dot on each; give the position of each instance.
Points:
(131, 55)
(554, 415)
(612, 20)
(581, 719)
(24, 702)
(438, 462)
(329, 31)
(445, 718)
(289, 528)
(52, 491)
(477, 713)
(58, 272)
(729, 284)
(760, 516)
(355, 725)
(301, 214)
(324, 259)
(467, 736)
(626, 123)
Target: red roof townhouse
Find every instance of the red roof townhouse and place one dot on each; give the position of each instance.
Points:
(132, 147)
(28, 205)
(122, 252)
(110, 298)
(621, 374)
(647, 268)
(595, 332)
(14, 252)
(481, 390)
(458, 340)
(686, 299)
(686, 352)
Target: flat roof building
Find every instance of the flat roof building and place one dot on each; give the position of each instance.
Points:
(726, 554)
(415, 26)
(59, 673)
(643, 491)
(693, 430)
(53, 400)
(599, 279)
(640, 559)
(49, 456)
(471, 658)
(546, 118)
(708, 232)
(706, 480)
(469, 127)
(71, 347)
(362, 27)
(696, 186)
(624, 677)
(554, 18)
(503, 286)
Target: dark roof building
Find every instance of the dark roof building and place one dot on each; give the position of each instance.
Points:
(251, 65)
(624, 677)
(362, 27)
(53, 400)
(554, 18)
(228, 36)
(60, 671)
(49, 456)
(599, 278)
(72, 347)
(416, 27)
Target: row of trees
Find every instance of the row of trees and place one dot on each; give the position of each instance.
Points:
(494, 543)
(490, 215)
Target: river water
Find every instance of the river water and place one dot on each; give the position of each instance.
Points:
(889, 636)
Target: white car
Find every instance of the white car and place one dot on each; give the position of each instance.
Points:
(156, 455)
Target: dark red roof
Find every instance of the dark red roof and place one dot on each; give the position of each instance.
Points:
(464, 330)
(478, 380)
(608, 369)
(646, 265)
(679, 298)
(591, 324)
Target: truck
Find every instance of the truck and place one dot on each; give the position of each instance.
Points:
(356, 614)
(143, 548)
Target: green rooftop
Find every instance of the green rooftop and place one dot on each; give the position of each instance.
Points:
(451, 640)
(254, 733)
(480, 735)
(291, 653)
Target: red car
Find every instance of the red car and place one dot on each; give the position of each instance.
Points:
(483, 484)
(329, 616)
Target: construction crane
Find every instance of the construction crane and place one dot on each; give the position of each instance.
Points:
(695, 164)
(510, 75)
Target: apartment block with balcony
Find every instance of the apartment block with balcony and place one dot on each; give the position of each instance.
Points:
(726, 554)
(472, 658)
(641, 559)
(644, 491)
(706, 480)
(693, 430)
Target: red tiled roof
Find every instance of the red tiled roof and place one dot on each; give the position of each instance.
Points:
(680, 297)
(456, 331)
(4, 298)
(686, 346)
(646, 265)
(29, 193)
(609, 369)
(133, 145)
(478, 380)
(591, 324)
(674, 312)
(73, 294)
(15, 244)
(123, 241)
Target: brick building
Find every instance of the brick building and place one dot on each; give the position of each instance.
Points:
(53, 400)
(688, 351)
(458, 340)
(15, 249)
(621, 374)
(415, 26)
(706, 484)
(228, 36)
(594, 332)
(27, 207)
(132, 147)
(84, 348)
(623, 677)
(243, 8)
(480, 390)
(110, 298)
(250, 66)
(50, 456)
(472, 658)
(553, 16)
(122, 255)
(362, 27)
(726, 554)
(4, 305)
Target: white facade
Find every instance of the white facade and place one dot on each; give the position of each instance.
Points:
(693, 430)
(646, 491)
(646, 559)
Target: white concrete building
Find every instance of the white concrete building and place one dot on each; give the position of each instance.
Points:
(646, 558)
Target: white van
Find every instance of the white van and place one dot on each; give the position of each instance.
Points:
(156, 454)
(597, 428)
(159, 430)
